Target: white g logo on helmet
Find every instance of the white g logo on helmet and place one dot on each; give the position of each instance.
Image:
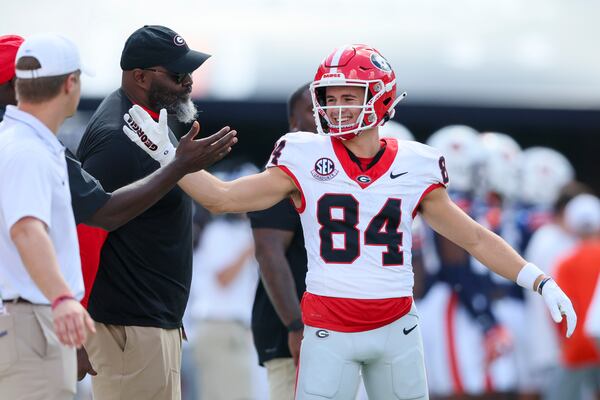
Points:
(178, 40)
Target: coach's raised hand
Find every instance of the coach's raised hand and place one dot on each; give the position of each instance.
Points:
(192, 155)
(195, 155)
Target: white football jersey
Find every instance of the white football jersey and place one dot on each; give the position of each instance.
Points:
(357, 224)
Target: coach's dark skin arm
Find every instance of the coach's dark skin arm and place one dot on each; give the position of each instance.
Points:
(276, 275)
(192, 155)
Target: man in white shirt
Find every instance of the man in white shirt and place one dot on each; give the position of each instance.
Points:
(41, 320)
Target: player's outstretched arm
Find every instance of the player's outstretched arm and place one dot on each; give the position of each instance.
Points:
(450, 221)
(250, 193)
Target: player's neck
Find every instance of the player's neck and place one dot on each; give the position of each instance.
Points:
(365, 145)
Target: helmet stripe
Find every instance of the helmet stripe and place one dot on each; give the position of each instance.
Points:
(336, 58)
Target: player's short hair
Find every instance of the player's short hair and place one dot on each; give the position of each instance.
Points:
(295, 97)
(567, 193)
(37, 90)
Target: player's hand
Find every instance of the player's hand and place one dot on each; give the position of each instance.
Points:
(72, 323)
(84, 366)
(151, 136)
(559, 304)
(497, 341)
(195, 155)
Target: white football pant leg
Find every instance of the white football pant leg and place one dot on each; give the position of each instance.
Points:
(327, 369)
(399, 371)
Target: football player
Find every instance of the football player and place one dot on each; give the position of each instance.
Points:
(460, 330)
(357, 195)
(497, 208)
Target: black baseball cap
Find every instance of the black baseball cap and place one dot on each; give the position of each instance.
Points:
(154, 45)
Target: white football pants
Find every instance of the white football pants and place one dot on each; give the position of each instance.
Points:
(390, 359)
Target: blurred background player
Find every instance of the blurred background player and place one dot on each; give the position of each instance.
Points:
(495, 207)
(545, 192)
(276, 318)
(459, 324)
(224, 282)
(578, 377)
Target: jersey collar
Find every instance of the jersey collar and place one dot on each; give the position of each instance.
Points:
(365, 178)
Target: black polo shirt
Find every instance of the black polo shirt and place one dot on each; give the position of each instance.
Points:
(145, 268)
(87, 195)
(270, 335)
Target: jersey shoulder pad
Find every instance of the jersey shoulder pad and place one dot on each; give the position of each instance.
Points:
(292, 147)
(428, 161)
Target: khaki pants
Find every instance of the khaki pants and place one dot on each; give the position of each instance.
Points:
(281, 373)
(33, 363)
(135, 363)
(223, 357)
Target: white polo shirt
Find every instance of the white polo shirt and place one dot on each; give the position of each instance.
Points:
(34, 183)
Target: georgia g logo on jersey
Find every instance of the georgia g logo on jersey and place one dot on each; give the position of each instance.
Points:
(324, 169)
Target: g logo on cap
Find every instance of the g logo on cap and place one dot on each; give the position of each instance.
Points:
(178, 40)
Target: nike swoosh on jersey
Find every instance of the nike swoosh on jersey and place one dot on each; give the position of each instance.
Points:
(394, 176)
(407, 331)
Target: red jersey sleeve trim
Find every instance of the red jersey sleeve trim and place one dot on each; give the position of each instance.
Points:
(302, 198)
(431, 188)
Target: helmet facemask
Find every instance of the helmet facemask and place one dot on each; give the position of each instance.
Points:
(354, 66)
(366, 119)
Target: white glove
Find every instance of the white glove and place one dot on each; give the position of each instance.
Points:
(151, 136)
(558, 303)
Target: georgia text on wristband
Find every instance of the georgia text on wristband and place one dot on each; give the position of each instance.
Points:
(60, 299)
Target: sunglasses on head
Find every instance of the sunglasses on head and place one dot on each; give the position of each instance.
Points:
(177, 77)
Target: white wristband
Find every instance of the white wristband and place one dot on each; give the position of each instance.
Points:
(528, 275)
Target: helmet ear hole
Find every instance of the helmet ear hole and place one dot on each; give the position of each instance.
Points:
(321, 97)
(387, 101)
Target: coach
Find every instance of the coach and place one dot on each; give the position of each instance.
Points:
(91, 204)
(144, 276)
(40, 279)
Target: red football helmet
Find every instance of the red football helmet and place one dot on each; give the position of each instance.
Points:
(355, 65)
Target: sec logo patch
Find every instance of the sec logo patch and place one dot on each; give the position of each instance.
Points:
(324, 169)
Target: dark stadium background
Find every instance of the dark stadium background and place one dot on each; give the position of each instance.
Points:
(575, 133)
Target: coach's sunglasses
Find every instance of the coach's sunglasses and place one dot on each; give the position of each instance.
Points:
(177, 77)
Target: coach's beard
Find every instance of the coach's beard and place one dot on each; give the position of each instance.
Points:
(180, 104)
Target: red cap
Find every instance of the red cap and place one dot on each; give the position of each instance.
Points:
(9, 44)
